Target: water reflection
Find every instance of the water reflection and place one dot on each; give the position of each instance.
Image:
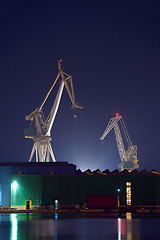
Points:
(119, 229)
(129, 225)
(14, 226)
(56, 227)
(77, 227)
(56, 216)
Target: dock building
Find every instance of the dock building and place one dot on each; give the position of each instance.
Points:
(44, 184)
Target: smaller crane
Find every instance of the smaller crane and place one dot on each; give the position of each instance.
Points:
(40, 128)
(128, 157)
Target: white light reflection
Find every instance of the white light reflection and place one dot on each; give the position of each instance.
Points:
(119, 229)
(14, 226)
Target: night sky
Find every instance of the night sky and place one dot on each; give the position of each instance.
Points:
(113, 52)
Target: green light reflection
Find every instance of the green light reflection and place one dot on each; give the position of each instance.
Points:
(14, 226)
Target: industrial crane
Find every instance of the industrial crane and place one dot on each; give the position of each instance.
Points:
(40, 128)
(128, 157)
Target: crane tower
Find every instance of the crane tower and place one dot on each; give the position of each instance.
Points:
(40, 128)
(129, 156)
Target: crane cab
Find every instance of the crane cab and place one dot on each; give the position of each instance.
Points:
(29, 132)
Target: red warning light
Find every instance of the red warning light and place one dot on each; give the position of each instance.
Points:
(60, 60)
(117, 114)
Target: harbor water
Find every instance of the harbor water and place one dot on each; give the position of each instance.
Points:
(28, 226)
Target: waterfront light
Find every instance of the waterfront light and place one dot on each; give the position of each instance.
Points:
(56, 204)
(14, 185)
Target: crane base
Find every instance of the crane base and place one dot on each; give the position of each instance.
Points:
(129, 165)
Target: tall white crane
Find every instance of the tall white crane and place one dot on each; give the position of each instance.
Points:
(128, 157)
(40, 128)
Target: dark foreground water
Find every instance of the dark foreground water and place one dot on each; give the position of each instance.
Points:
(62, 227)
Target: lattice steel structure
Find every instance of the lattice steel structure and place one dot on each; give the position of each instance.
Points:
(128, 157)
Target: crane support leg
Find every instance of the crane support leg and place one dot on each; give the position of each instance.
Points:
(51, 152)
(42, 150)
(32, 153)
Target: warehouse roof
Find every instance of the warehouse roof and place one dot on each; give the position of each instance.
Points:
(117, 172)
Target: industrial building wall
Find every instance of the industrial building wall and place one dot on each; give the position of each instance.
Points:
(96, 185)
(5, 186)
(25, 187)
(157, 189)
(43, 190)
(71, 190)
(145, 190)
(44, 170)
(62, 188)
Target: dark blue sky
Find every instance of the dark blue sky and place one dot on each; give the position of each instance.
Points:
(113, 52)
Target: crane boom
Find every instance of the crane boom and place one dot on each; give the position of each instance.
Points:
(51, 117)
(120, 144)
(125, 132)
(40, 129)
(50, 120)
(44, 100)
(109, 127)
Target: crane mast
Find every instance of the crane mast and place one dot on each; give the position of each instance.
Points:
(40, 128)
(128, 157)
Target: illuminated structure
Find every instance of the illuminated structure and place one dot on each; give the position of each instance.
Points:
(59, 184)
(7, 169)
(100, 190)
(40, 128)
(128, 157)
